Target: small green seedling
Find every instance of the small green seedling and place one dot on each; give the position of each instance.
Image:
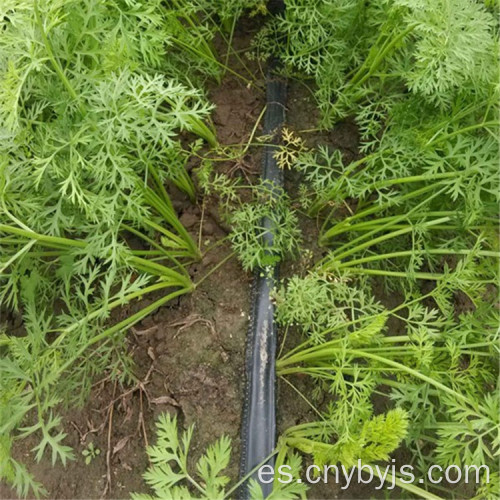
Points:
(90, 453)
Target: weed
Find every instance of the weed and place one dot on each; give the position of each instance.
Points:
(90, 453)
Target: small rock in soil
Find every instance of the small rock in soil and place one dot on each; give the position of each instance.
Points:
(208, 228)
(222, 113)
(189, 219)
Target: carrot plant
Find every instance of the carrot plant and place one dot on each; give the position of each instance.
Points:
(169, 475)
(356, 51)
(414, 214)
(425, 183)
(244, 207)
(92, 109)
(442, 371)
(329, 443)
(195, 28)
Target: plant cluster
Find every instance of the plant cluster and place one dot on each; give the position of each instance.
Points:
(321, 301)
(94, 104)
(264, 226)
(354, 49)
(170, 472)
(97, 117)
(194, 26)
(441, 371)
(415, 215)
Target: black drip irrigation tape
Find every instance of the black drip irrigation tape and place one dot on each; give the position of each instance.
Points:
(259, 411)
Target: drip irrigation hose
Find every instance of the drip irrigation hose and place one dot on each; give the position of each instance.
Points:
(259, 410)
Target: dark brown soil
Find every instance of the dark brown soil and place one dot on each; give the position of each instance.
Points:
(303, 117)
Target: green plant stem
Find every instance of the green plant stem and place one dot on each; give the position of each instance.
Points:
(409, 253)
(48, 47)
(388, 236)
(166, 210)
(402, 338)
(373, 223)
(109, 307)
(397, 274)
(231, 27)
(223, 66)
(160, 270)
(104, 335)
(17, 255)
(411, 488)
(159, 185)
(246, 477)
(374, 60)
(208, 51)
(56, 241)
(198, 127)
(174, 240)
(150, 241)
(464, 130)
(138, 262)
(328, 352)
(344, 225)
(417, 178)
(455, 116)
(152, 253)
(215, 245)
(389, 222)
